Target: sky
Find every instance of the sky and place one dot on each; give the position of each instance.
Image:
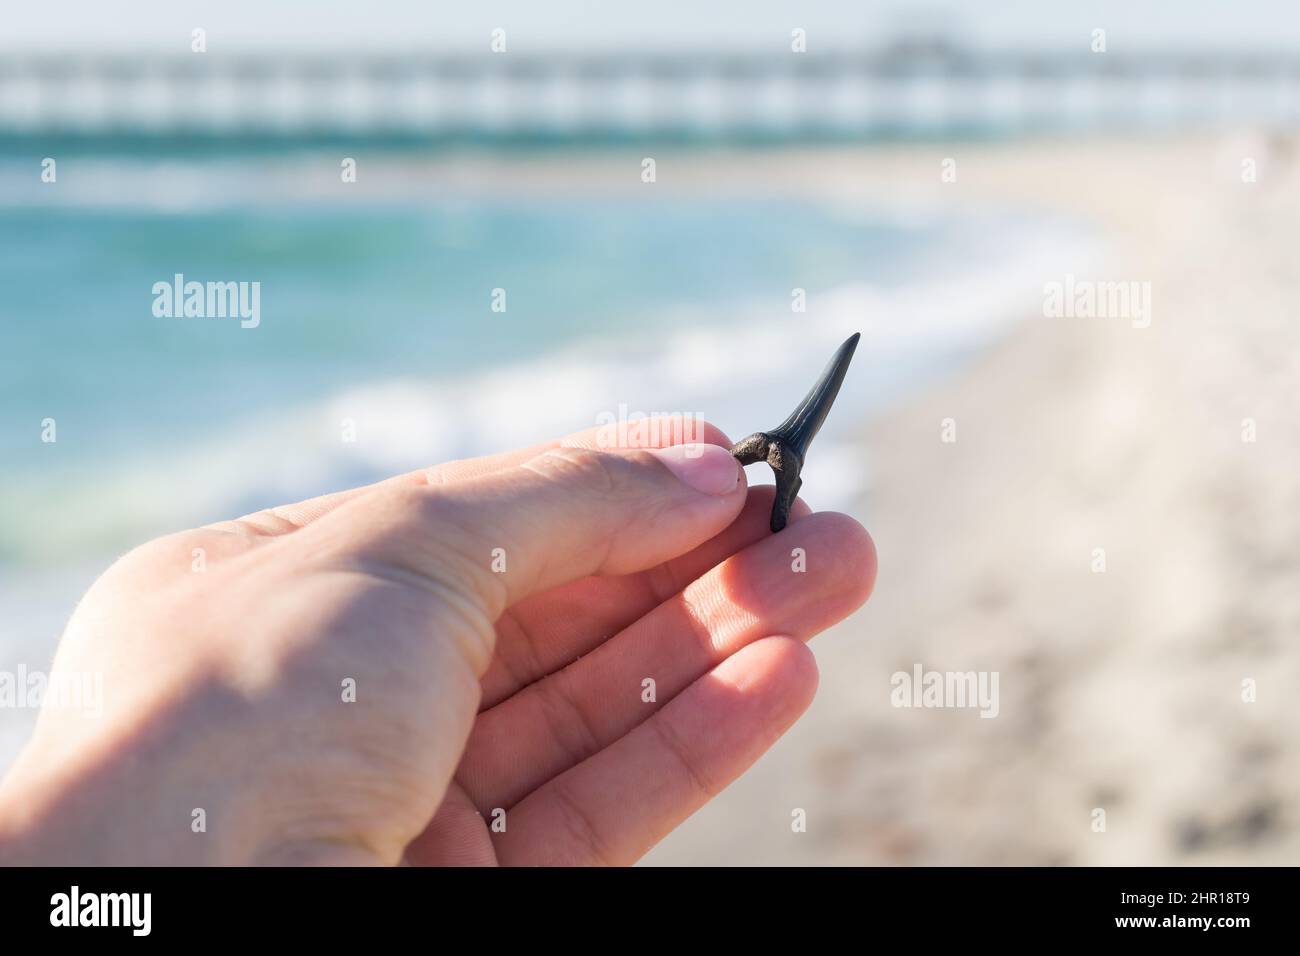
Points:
(550, 25)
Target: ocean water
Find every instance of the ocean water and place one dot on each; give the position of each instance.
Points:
(377, 325)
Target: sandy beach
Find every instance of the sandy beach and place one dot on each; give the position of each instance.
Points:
(1120, 689)
(996, 499)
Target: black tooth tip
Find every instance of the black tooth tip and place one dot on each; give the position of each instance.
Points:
(785, 446)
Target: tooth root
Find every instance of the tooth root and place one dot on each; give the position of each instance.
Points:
(752, 449)
(787, 489)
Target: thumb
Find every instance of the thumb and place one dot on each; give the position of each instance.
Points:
(563, 515)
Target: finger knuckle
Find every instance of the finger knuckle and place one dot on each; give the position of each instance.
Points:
(594, 472)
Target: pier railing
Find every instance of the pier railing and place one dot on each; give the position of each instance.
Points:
(927, 89)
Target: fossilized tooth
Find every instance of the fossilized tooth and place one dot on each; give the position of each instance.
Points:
(785, 446)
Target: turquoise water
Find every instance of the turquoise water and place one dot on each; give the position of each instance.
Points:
(351, 296)
(379, 313)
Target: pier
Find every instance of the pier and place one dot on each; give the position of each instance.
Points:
(930, 88)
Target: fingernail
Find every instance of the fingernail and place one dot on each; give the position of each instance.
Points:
(709, 469)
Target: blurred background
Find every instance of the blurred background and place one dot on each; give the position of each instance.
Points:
(566, 212)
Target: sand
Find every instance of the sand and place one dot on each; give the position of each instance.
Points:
(1119, 690)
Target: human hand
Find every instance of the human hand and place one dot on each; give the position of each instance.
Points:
(484, 692)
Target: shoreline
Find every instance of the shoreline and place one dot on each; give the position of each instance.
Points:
(1121, 691)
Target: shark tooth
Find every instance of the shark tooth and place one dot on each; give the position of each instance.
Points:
(785, 447)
